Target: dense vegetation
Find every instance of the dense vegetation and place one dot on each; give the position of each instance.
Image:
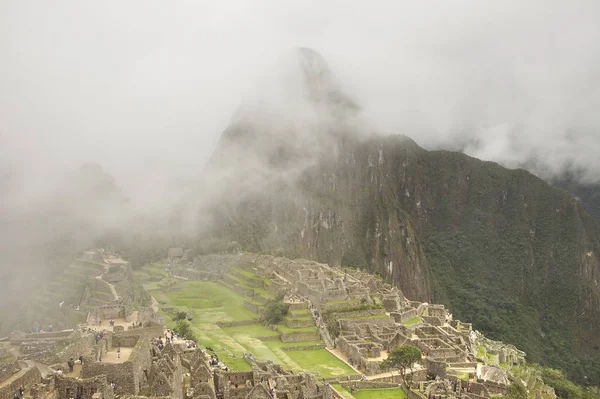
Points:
(510, 263)
(502, 248)
(564, 388)
(274, 311)
(587, 194)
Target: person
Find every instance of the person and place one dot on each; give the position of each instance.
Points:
(22, 392)
(71, 364)
(15, 396)
(59, 372)
(81, 359)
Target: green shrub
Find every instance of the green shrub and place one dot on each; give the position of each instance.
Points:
(275, 311)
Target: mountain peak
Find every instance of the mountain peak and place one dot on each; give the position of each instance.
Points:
(321, 84)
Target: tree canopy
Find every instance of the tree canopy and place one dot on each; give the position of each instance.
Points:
(403, 359)
(275, 311)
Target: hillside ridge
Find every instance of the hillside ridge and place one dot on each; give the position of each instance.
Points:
(502, 247)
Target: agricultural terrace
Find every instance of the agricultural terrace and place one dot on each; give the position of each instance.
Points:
(215, 304)
(385, 393)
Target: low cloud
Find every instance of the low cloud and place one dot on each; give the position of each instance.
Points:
(145, 88)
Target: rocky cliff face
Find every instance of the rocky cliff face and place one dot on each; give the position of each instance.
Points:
(587, 194)
(503, 248)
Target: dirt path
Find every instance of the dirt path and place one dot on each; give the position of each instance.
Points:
(154, 305)
(16, 375)
(110, 286)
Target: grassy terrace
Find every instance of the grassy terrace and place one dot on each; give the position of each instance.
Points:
(370, 317)
(212, 303)
(286, 330)
(299, 313)
(386, 393)
(411, 322)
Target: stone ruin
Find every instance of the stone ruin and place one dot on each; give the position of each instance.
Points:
(372, 319)
(266, 381)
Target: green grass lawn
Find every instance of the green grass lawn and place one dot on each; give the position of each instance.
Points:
(285, 329)
(345, 394)
(388, 393)
(411, 322)
(211, 303)
(369, 317)
(245, 272)
(321, 362)
(256, 330)
(481, 351)
(299, 313)
(385, 393)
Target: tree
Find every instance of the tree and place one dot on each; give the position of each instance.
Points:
(516, 390)
(275, 311)
(181, 316)
(402, 358)
(184, 329)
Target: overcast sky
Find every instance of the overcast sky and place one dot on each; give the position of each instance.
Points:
(150, 85)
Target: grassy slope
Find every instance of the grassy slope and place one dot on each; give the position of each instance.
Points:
(501, 247)
(211, 303)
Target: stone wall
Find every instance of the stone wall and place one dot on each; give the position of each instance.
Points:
(437, 311)
(45, 335)
(298, 305)
(495, 388)
(237, 323)
(83, 388)
(362, 313)
(239, 290)
(297, 337)
(129, 375)
(436, 368)
(141, 359)
(119, 373)
(302, 348)
(125, 341)
(434, 321)
(347, 324)
(109, 312)
(369, 367)
(42, 389)
(233, 377)
(299, 323)
(76, 348)
(8, 369)
(276, 287)
(400, 317)
(42, 351)
(412, 394)
(330, 393)
(251, 307)
(190, 274)
(25, 378)
(369, 385)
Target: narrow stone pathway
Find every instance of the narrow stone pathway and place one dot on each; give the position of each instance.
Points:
(110, 286)
(154, 305)
(16, 375)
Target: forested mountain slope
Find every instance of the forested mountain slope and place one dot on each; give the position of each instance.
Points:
(502, 248)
